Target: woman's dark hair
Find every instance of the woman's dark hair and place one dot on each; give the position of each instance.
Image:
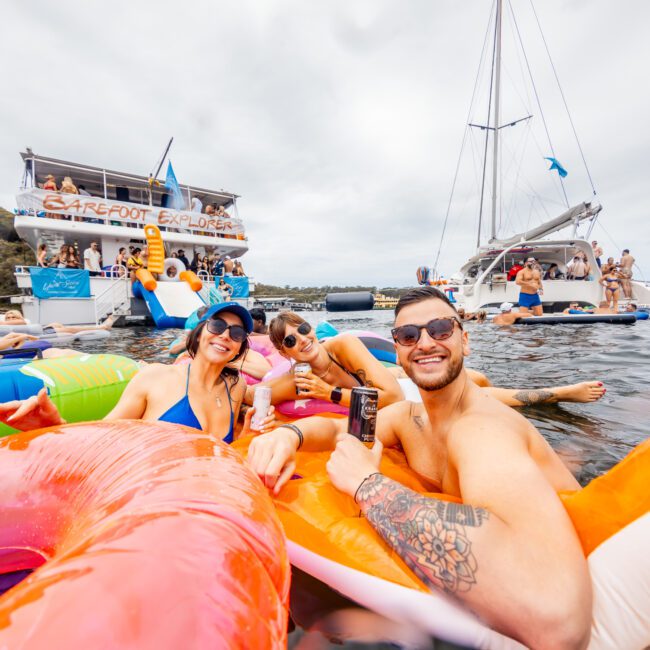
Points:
(278, 326)
(192, 345)
(121, 249)
(418, 295)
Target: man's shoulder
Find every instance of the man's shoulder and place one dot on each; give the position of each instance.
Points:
(484, 421)
(399, 410)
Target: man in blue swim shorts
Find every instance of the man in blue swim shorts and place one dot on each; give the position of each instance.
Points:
(529, 280)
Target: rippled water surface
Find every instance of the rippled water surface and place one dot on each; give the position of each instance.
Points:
(595, 435)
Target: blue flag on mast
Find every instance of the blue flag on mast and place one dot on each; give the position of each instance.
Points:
(555, 164)
(178, 203)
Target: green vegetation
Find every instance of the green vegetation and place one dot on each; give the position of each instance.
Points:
(12, 252)
(315, 294)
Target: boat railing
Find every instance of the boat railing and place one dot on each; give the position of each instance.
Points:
(483, 277)
(115, 296)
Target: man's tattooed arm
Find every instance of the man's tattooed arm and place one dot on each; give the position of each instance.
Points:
(530, 397)
(430, 535)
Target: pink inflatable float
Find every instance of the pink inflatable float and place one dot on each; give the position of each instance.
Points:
(142, 535)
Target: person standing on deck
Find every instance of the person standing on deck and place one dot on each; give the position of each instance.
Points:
(598, 251)
(529, 280)
(626, 264)
(93, 259)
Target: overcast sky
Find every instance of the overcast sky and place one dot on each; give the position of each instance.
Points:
(339, 123)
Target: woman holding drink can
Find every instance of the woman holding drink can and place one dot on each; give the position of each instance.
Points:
(326, 370)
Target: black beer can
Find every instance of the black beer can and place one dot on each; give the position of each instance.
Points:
(362, 418)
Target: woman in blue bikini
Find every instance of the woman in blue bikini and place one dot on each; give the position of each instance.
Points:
(610, 280)
(205, 394)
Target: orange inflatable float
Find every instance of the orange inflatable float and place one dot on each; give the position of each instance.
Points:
(144, 535)
(330, 541)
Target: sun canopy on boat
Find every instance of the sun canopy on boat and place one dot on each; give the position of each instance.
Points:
(573, 215)
(111, 184)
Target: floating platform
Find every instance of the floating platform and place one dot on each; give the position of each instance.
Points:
(576, 319)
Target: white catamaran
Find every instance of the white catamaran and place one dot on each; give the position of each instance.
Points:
(486, 279)
(112, 209)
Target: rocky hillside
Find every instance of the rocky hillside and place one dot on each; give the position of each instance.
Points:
(12, 252)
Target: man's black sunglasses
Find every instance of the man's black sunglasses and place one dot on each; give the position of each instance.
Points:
(438, 329)
(218, 325)
(290, 340)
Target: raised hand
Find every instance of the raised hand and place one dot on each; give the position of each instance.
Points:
(32, 413)
(311, 386)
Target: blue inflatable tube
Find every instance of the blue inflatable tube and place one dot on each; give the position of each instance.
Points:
(28, 350)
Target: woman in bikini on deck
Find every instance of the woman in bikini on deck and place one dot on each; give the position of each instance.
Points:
(205, 394)
(610, 280)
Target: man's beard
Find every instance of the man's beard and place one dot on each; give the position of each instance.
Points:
(429, 385)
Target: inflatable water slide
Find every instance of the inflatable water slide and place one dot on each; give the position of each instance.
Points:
(174, 295)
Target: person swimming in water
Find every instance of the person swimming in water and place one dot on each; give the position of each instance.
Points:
(205, 394)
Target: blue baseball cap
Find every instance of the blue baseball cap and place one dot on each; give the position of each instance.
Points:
(233, 308)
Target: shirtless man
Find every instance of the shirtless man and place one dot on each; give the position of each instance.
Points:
(529, 280)
(625, 270)
(510, 555)
(507, 316)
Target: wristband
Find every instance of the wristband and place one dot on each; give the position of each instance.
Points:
(336, 395)
(296, 430)
(362, 482)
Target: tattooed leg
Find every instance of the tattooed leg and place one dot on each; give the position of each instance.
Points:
(586, 391)
(431, 536)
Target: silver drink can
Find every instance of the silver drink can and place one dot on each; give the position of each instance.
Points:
(261, 403)
(302, 368)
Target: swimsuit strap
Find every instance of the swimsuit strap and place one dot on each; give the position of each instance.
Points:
(228, 438)
(345, 370)
(187, 383)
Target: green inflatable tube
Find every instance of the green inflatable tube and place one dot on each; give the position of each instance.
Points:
(84, 387)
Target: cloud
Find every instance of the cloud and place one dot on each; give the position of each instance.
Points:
(339, 123)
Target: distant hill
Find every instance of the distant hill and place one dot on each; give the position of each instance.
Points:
(312, 294)
(12, 252)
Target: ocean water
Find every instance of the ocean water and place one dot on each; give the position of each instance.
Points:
(593, 436)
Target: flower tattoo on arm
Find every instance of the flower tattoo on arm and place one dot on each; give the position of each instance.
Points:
(428, 534)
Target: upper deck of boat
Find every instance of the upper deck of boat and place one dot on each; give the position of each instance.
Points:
(114, 203)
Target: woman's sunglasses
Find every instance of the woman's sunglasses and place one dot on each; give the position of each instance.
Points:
(219, 326)
(438, 329)
(290, 340)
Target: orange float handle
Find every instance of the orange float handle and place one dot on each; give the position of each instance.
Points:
(147, 280)
(192, 279)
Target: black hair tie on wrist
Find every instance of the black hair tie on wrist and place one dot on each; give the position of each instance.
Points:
(362, 482)
(296, 430)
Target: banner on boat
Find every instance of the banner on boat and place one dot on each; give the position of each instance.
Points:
(42, 202)
(60, 283)
(239, 286)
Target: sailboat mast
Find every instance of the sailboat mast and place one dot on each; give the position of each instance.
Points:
(497, 110)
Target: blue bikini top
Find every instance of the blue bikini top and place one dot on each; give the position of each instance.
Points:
(182, 413)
